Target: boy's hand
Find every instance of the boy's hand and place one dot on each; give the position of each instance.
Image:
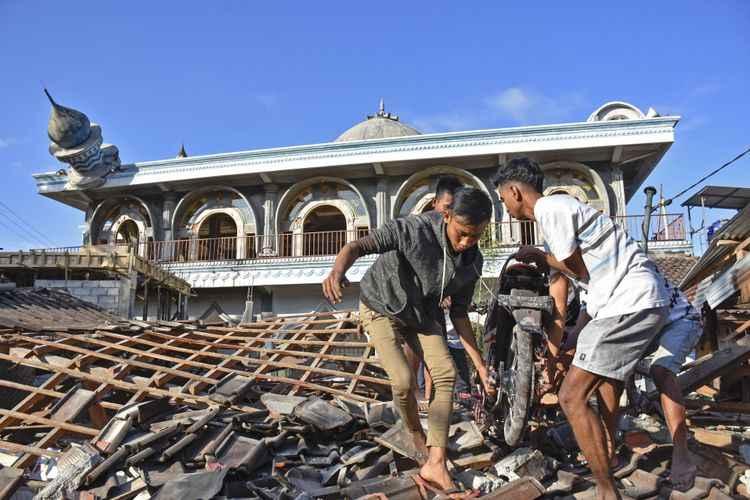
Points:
(489, 386)
(531, 254)
(332, 287)
(446, 304)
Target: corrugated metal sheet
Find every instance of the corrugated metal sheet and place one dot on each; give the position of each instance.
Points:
(738, 229)
(728, 283)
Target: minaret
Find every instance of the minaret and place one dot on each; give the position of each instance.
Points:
(67, 127)
(78, 142)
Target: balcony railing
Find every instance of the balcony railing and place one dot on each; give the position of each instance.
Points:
(500, 236)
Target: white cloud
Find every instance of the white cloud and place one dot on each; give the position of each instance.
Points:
(514, 101)
(526, 107)
(512, 105)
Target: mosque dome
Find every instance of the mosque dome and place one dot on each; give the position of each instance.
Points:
(378, 126)
(67, 127)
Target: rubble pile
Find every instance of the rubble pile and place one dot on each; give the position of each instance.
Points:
(299, 408)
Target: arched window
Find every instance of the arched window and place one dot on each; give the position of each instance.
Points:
(318, 216)
(217, 238)
(324, 231)
(416, 193)
(123, 222)
(127, 234)
(214, 223)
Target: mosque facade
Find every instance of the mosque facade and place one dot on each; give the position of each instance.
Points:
(266, 224)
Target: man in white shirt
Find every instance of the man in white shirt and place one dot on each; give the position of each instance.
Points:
(666, 356)
(625, 300)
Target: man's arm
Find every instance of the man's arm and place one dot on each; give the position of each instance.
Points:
(572, 266)
(336, 279)
(391, 236)
(558, 290)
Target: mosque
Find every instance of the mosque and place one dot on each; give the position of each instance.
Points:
(267, 223)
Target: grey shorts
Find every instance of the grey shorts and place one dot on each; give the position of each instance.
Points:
(611, 347)
(675, 342)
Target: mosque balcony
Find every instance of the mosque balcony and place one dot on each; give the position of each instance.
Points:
(307, 258)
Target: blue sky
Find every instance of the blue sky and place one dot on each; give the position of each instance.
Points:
(231, 76)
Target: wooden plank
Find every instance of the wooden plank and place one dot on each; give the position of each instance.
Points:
(32, 450)
(30, 417)
(315, 362)
(187, 398)
(264, 364)
(304, 343)
(30, 401)
(234, 358)
(49, 393)
(359, 370)
(477, 462)
(724, 406)
(711, 366)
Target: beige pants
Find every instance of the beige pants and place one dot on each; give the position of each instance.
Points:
(387, 335)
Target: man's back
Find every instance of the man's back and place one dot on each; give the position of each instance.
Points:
(621, 279)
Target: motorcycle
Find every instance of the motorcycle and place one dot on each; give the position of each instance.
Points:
(515, 345)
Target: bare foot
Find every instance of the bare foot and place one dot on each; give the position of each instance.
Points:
(682, 471)
(437, 474)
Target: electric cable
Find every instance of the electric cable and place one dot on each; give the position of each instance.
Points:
(44, 238)
(709, 175)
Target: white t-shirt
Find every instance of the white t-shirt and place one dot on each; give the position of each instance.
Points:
(621, 279)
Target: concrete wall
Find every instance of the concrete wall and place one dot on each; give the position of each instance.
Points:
(287, 299)
(294, 299)
(103, 293)
(232, 300)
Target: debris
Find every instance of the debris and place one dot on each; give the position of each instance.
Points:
(641, 484)
(464, 436)
(526, 488)
(523, 462)
(401, 441)
(280, 404)
(564, 483)
(193, 486)
(72, 467)
(324, 416)
(656, 430)
(290, 409)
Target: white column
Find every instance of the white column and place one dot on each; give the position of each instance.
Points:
(269, 215)
(618, 187)
(167, 249)
(381, 202)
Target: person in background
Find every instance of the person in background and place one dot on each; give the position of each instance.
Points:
(423, 259)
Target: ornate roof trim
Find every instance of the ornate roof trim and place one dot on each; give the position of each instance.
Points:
(441, 145)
